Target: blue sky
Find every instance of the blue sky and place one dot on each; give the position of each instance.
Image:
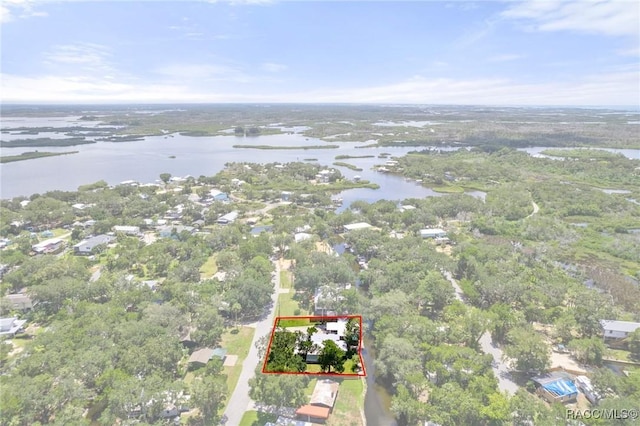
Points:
(489, 52)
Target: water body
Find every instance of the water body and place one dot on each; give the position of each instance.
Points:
(377, 400)
(144, 160)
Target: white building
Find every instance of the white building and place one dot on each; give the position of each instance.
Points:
(433, 233)
(228, 218)
(129, 230)
(357, 226)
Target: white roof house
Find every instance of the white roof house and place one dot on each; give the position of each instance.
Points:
(131, 230)
(301, 236)
(338, 327)
(228, 218)
(618, 329)
(357, 226)
(10, 326)
(432, 233)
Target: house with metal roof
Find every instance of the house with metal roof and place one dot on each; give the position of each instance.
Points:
(11, 326)
(87, 246)
(618, 329)
(325, 394)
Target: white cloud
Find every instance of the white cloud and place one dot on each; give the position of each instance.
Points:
(609, 17)
(273, 67)
(89, 54)
(5, 15)
(615, 88)
(505, 57)
(12, 9)
(203, 72)
(633, 51)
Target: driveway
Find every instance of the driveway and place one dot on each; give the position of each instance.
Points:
(239, 402)
(500, 368)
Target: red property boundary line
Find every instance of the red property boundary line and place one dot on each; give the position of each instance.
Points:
(316, 318)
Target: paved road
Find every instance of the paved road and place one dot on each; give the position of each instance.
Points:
(239, 402)
(500, 369)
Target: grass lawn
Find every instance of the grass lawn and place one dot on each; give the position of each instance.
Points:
(285, 279)
(313, 368)
(295, 322)
(309, 390)
(255, 418)
(236, 344)
(287, 306)
(618, 354)
(209, 268)
(349, 404)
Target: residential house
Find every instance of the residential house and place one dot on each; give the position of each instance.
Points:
(228, 218)
(313, 414)
(174, 231)
(128, 230)
(87, 246)
(618, 329)
(202, 356)
(325, 394)
(432, 233)
(556, 387)
(53, 245)
(11, 326)
(326, 298)
(357, 226)
(218, 195)
(318, 338)
(324, 176)
(301, 236)
(285, 421)
(286, 195)
(20, 301)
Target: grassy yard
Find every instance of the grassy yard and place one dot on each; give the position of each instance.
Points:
(285, 279)
(295, 322)
(287, 306)
(209, 268)
(236, 344)
(349, 404)
(618, 354)
(255, 418)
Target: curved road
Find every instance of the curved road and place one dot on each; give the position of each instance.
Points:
(239, 402)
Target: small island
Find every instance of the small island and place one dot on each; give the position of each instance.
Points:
(31, 155)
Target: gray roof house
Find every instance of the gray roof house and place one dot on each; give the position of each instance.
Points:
(618, 329)
(86, 246)
(20, 301)
(10, 326)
